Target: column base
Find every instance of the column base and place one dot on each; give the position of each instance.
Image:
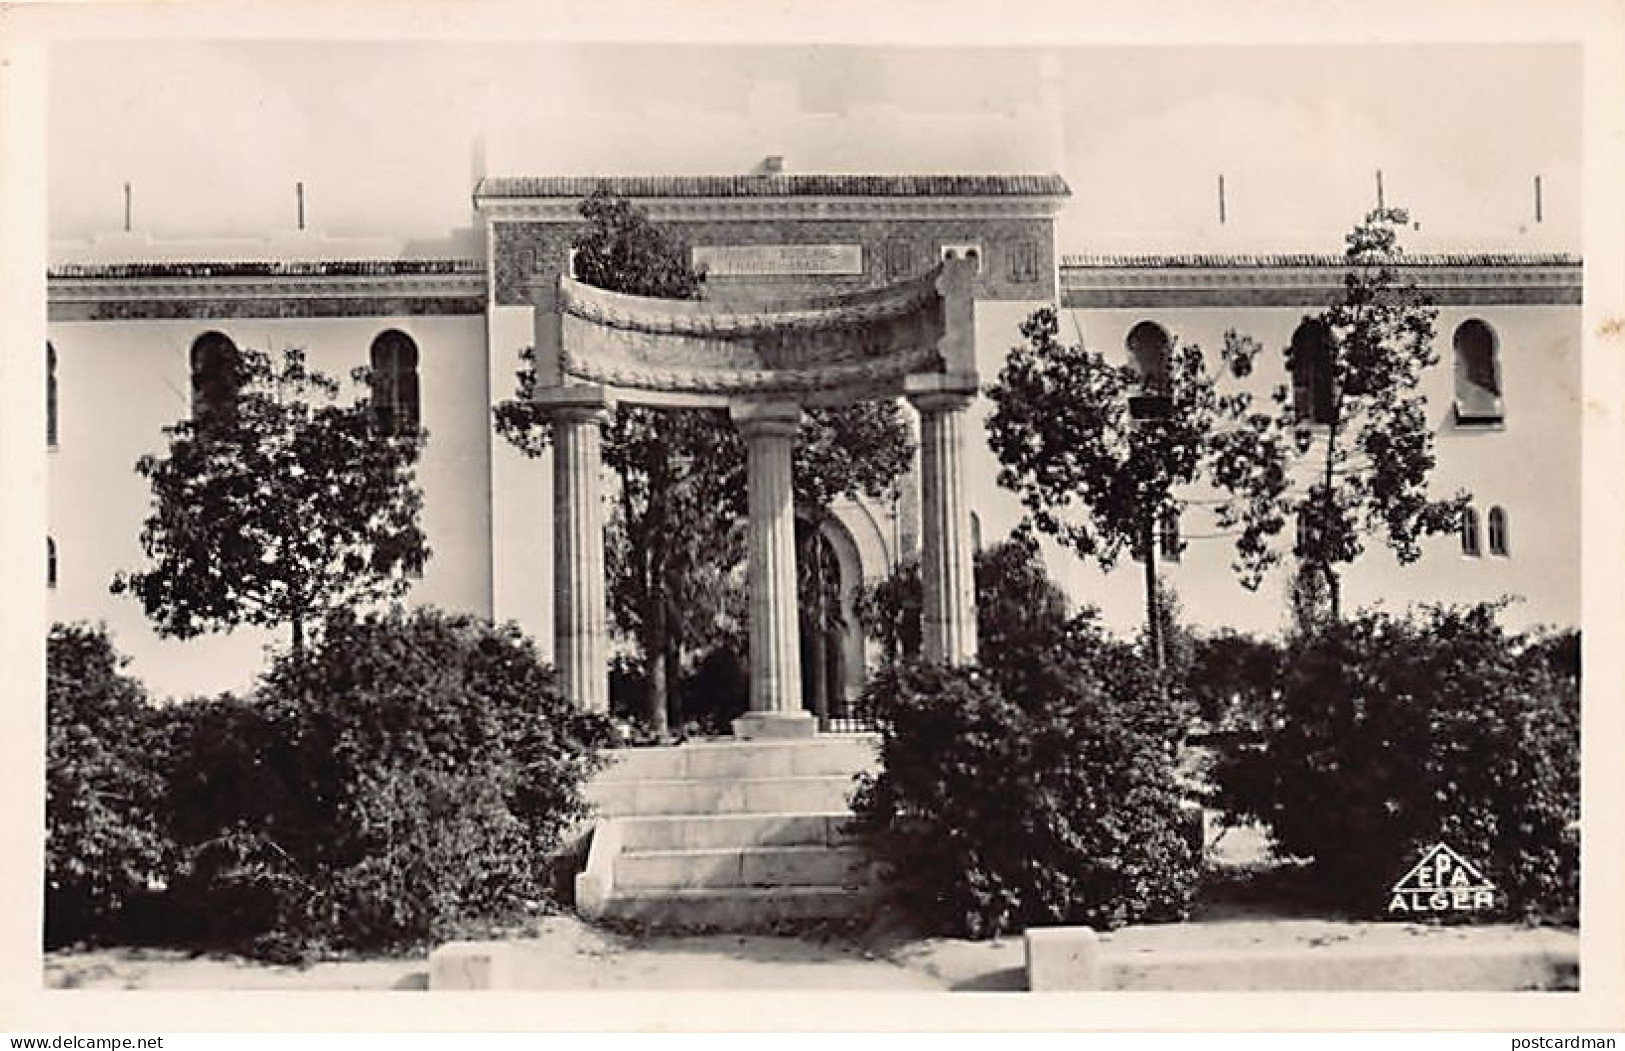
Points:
(771, 725)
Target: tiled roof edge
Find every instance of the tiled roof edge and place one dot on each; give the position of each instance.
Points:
(1217, 260)
(506, 187)
(271, 268)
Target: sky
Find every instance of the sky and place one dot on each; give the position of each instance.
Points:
(388, 137)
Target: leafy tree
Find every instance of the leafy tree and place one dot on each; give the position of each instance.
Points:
(1097, 451)
(410, 779)
(279, 507)
(857, 450)
(682, 472)
(1383, 735)
(103, 780)
(1357, 419)
(1019, 608)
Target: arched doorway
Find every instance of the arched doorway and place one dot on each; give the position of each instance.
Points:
(832, 640)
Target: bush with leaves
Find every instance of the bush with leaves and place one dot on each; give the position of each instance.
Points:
(409, 779)
(1000, 810)
(1022, 616)
(1390, 734)
(1036, 788)
(1018, 606)
(104, 849)
(1232, 677)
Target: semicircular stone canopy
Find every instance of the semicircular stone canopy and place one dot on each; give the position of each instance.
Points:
(825, 348)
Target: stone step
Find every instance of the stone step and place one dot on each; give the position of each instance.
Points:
(763, 795)
(707, 831)
(737, 908)
(832, 754)
(804, 866)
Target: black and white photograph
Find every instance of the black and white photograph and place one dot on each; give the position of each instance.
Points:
(677, 528)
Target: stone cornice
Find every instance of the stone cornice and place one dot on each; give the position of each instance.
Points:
(1311, 280)
(720, 318)
(265, 289)
(821, 346)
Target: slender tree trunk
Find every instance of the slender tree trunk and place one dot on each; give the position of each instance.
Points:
(817, 677)
(673, 663)
(1153, 601)
(656, 609)
(298, 638)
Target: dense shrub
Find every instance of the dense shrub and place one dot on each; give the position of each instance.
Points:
(1388, 735)
(1232, 677)
(1036, 788)
(1019, 609)
(408, 778)
(999, 810)
(717, 690)
(103, 776)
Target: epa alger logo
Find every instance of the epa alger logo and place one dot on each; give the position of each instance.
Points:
(1443, 881)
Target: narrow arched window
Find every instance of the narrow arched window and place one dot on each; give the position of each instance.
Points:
(1498, 532)
(50, 395)
(217, 379)
(395, 385)
(1149, 347)
(1469, 533)
(1478, 374)
(1168, 536)
(50, 562)
(975, 531)
(1311, 362)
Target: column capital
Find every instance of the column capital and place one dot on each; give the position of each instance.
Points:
(940, 390)
(766, 419)
(581, 403)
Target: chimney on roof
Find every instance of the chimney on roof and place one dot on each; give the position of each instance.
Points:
(772, 164)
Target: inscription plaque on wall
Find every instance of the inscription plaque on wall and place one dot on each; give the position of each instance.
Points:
(778, 260)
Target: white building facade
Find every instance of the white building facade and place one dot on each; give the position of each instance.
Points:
(126, 315)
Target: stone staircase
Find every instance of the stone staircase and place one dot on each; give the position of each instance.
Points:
(731, 835)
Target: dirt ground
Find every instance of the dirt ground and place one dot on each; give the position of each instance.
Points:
(566, 954)
(563, 953)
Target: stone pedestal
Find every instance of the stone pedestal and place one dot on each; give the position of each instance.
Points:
(581, 635)
(769, 429)
(948, 620)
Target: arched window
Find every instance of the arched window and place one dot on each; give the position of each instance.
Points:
(217, 379)
(50, 395)
(1149, 347)
(1498, 532)
(50, 562)
(1478, 374)
(1311, 361)
(1469, 533)
(975, 531)
(1168, 536)
(394, 385)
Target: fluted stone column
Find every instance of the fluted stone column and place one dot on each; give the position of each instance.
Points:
(948, 621)
(581, 646)
(769, 429)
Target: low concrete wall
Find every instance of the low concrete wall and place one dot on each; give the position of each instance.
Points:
(463, 966)
(595, 882)
(1073, 959)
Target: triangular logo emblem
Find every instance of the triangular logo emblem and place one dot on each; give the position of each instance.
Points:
(1442, 881)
